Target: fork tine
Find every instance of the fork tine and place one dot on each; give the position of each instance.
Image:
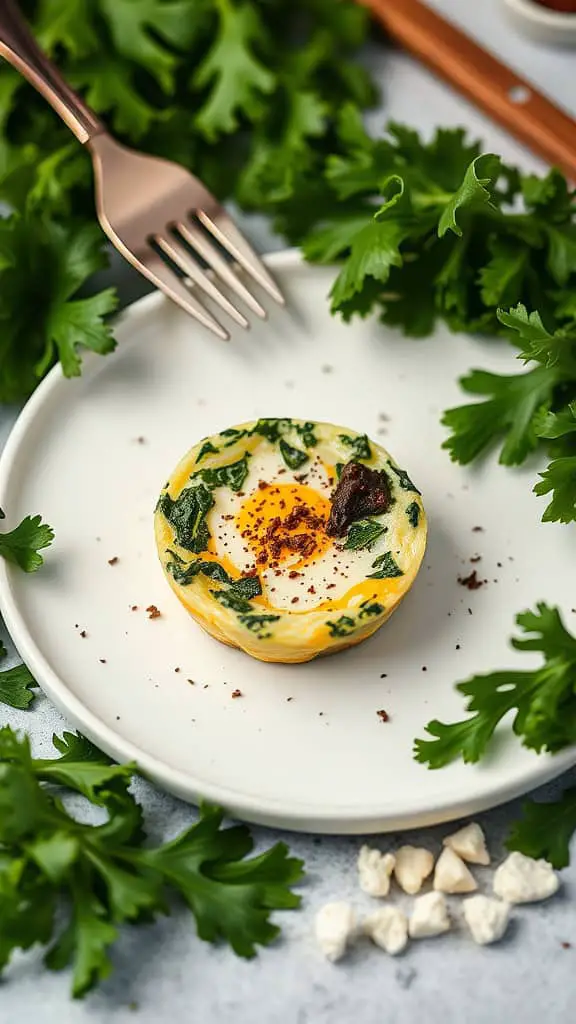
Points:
(188, 265)
(199, 241)
(224, 230)
(154, 268)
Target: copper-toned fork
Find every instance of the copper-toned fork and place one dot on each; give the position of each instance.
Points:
(157, 214)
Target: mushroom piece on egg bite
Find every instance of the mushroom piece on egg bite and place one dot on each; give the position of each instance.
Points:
(290, 539)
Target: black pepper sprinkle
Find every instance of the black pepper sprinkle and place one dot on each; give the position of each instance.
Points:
(83, 633)
(102, 661)
(112, 561)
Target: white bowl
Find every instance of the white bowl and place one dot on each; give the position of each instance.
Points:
(541, 23)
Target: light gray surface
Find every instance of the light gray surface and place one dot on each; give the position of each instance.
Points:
(164, 968)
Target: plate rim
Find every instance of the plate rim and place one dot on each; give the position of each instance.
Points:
(300, 816)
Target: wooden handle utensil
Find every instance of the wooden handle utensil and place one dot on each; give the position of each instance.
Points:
(508, 98)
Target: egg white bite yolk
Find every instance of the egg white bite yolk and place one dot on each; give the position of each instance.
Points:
(245, 531)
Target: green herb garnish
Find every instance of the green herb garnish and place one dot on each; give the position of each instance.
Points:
(16, 684)
(206, 449)
(187, 516)
(543, 699)
(369, 608)
(245, 587)
(342, 626)
(413, 513)
(306, 432)
(545, 829)
(385, 567)
(272, 429)
(258, 624)
(22, 545)
(244, 94)
(293, 457)
(232, 600)
(70, 886)
(403, 479)
(363, 534)
(360, 445)
(232, 476)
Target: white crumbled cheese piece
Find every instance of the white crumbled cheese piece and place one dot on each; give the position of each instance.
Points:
(470, 844)
(374, 870)
(452, 875)
(413, 865)
(521, 879)
(486, 918)
(429, 916)
(388, 928)
(334, 927)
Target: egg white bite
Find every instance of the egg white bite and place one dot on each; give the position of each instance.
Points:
(290, 539)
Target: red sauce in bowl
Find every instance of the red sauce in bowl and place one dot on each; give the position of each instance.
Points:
(563, 6)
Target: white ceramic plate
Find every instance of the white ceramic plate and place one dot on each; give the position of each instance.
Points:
(322, 761)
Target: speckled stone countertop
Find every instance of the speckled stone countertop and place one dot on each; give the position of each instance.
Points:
(163, 972)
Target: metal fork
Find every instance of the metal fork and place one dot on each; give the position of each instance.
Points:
(158, 215)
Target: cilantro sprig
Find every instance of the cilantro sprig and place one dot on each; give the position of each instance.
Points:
(17, 684)
(71, 886)
(23, 544)
(543, 700)
(438, 231)
(545, 829)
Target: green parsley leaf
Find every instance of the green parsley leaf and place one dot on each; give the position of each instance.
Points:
(413, 514)
(230, 599)
(509, 412)
(187, 516)
(306, 432)
(258, 624)
(232, 476)
(16, 684)
(551, 350)
(343, 626)
(471, 194)
(51, 261)
(386, 568)
(206, 449)
(374, 250)
(543, 699)
(560, 481)
(558, 424)
(71, 886)
(23, 544)
(237, 79)
(360, 445)
(247, 587)
(403, 479)
(83, 768)
(545, 829)
(293, 457)
(363, 534)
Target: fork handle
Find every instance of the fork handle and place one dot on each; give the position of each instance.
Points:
(20, 49)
